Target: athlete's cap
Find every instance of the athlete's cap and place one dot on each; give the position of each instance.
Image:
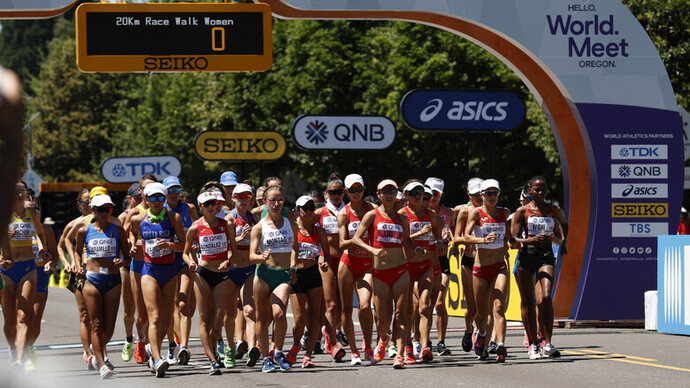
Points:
(303, 200)
(436, 184)
(399, 196)
(228, 178)
(683, 210)
(242, 188)
(206, 196)
(98, 190)
(412, 185)
(48, 221)
(171, 181)
(474, 185)
(386, 182)
(427, 190)
(489, 183)
(154, 188)
(100, 200)
(352, 179)
(218, 195)
(133, 190)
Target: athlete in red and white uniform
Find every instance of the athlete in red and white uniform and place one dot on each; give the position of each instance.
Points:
(488, 228)
(354, 272)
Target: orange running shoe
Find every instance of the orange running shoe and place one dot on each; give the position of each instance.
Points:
(140, 353)
(380, 351)
(409, 355)
(398, 363)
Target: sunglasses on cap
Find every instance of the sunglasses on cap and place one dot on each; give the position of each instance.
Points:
(210, 203)
(416, 192)
(156, 198)
(355, 190)
(104, 209)
(174, 190)
(491, 193)
(309, 208)
(336, 192)
(242, 196)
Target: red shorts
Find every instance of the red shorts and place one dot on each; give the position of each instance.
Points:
(489, 272)
(390, 275)
(334, 263)
(437, 270)
(358, 266)
(418, 269)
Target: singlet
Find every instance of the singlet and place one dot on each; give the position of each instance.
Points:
(386, 233)
(102, 245)
(309, 247)
(537, 223)
(489, 225)
(239, 225)
(417, 224)
(213, 242)
(149, 232)
(352, 224)
(24, 230)
(442, 213)
(328, 222)
(183, 210)
(277, 240)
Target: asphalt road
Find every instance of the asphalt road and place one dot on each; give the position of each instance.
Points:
(590, 358)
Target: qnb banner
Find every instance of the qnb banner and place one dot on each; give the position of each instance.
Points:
(673, 280)
(343, 132)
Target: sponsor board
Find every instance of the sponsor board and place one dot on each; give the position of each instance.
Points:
(343, 132)
(130, 169)
(638, 229)
(639, 190)
(639, 151)
(651, 210)
(239, 145)
(449, 110)
(639, 171)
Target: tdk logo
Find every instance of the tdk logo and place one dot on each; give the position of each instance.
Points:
(635, 151)
(447, 110)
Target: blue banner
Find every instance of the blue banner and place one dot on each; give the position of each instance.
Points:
(673, 284)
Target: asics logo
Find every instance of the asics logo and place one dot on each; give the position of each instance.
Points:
(432, 110)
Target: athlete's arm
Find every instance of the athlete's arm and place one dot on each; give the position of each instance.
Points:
(326, 258)
(472, 220)
(187, 254)
(81, 237)
(460, 223)
(254, 255)
(179, 231)
(366, 223)
(124, 245)
(342, 229)
(192, 212)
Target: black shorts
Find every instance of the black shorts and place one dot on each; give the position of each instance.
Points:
(445, 264)
(467, 262)
(307, 279)
(532, 259)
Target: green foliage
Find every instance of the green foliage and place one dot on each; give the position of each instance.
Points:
(23, 45)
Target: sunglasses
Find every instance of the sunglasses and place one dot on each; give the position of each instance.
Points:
(210, 203)
(491, 193)
(309, 208)
(355, 190)
(242, 196)
(436, 194)
(274, 200)
(388, 191)
(529, 198)
(156, 198)
(174, 190)
(426, 197)
(83, 202)
(20, 190)
(416, 192)
(336, 192)
(104, 209)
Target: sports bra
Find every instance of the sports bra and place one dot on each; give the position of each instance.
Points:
(386, 233)
(102, 245)
(213, 242)
(489, 225)
(277, 240)
(239, 224)
(309, 246)
(352, 224)
(417, 224)
(24, 230)
(538, 223)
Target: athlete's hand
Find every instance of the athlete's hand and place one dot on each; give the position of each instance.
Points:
(245, 232)
(133, 251)
(490, 238)
(11, 232)
(265, 254)
(380, 252)
(48, 267)
(541, 237)
(118, 262)
(224, 265)
(160, 243)
(426, 229)
(6, 263)
(323, 265)
(445, 233)
(193, 266)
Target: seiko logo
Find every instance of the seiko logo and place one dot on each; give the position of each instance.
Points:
(175, 63)
(639, 210)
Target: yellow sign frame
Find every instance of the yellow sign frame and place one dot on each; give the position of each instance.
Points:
(239, 145)
(623, 210)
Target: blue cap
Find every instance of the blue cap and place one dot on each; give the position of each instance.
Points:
(228, 178)
(171, 181)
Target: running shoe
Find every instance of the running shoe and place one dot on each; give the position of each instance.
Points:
(398, 363)
(160, 367)
(109, 364)
(32, 354)
(171, 354)
(392, 351)
(380, 350)
(282, 362)
(492, 347)
(92, 363)
(241, 350)
(326, 341)
(140, 352)
(29, 366)
(271, 354)
(550, 351)
(220, 348)
(215, 369)
(338, 353)
(303, 340)
(442, 349)
(501, 353)
(229, 359)
(128, 351)
(13, 356)
(369, 355)
(479, 344)
(355, 360)
(106, 373)
(183, 356)
(467, 341)
(307, 362)
(317, 348)
(292, 354)
(149, 363)
(484, 355)
(147, 349)
(268, 365)
(534, 352)
(417, 349)
(409, 355)
(342, 339)
(525, 340)
(253, 356)
(426, 355)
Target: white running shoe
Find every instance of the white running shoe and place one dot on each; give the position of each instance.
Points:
(417, 349)
(356, 360)
(549, 351)
(533, 352)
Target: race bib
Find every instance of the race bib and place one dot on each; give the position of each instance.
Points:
(102, 247)
(389, 233)
(417, 226)
(153, 251)
(213, 244)
(330, 224)
(536, 225)
(308, 251)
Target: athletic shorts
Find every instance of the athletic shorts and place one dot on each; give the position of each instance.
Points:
(272, 276)
(390, 275)
(240, 275)
(136, 266)
(42, 280)
(334, 263)
(307, 279)
(489, 272)
(211, 277)
(179, 263)
(358, 266)
(163, 273)
(445, 264)
(532, 259)
(103, 282)
(467, 261)
(20, 269)
(418, 269)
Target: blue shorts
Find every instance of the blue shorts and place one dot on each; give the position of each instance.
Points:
(102, 281)
(180, 264)
(19, 270)
(517, 258)
(163, 273)
(136, 266)
(42, 279)
(240, 275)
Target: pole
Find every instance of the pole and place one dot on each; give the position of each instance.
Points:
(491, 154)
(467, 156)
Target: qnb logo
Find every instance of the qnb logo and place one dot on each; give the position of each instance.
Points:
(317, 132)
(466, 111)
(119, 170)
(624, 171)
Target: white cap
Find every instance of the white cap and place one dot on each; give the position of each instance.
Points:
(242, 188)
(489, 183)
(303, 200)
(205, 197)
(399, 196)
(100, 200)
(218, 195)
(154, 188)
(682, 210)
(427, 190)
(410, 186)
(435, 184)
(474, 185)
(352, 179)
